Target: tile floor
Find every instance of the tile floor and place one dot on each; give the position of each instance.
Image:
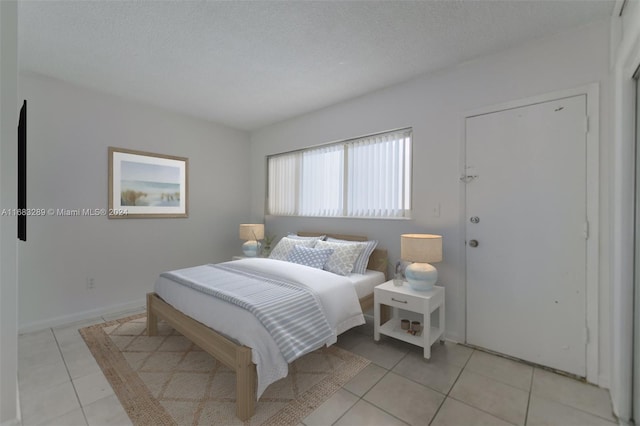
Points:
(62, 385)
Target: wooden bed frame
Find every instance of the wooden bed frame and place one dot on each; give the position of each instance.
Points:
(234, 356)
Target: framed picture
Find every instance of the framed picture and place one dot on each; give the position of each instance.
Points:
(146, 185)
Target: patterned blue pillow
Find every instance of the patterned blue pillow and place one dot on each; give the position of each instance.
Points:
(285, 245)
(316, 258)
(360, 266)
(343, 257)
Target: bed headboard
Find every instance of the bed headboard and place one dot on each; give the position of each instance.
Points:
(378, 259)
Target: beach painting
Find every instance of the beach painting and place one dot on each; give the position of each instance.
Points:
(143, 184)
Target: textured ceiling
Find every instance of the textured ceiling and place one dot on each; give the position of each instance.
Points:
(249, 64)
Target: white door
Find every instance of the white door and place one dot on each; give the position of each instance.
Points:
(526, 209)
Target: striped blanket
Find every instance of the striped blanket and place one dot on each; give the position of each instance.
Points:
(290, 312)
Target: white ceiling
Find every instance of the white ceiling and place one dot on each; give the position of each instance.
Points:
(252, 63)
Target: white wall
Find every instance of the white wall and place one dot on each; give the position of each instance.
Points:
(435, 105)
(69, 131)
(8, 199)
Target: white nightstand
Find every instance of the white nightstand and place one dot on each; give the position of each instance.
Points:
(407, 299)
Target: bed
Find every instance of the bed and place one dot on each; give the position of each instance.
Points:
(178, 310)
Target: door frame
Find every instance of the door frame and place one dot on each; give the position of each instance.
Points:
(592, 92)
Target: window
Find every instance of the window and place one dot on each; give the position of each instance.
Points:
(363, 177)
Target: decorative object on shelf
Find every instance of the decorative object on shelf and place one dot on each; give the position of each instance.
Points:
(415, 326)
(422, 249)
(398, 277)
(266, 245)
(404, 324)
(251, 233)
(147, 185)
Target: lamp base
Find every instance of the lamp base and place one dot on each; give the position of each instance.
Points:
(251, 248)
(421, 276)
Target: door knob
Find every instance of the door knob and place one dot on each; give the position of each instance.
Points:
(473, 243)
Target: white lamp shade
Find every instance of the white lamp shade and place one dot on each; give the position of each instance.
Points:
(251, 231)
(422, 248)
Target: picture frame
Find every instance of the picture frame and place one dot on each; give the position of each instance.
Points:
(146, 185)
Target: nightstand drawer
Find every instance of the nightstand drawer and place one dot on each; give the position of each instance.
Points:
(402, 301)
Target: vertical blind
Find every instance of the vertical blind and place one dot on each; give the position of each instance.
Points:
(364, 177)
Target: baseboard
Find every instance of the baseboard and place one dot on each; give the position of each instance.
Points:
(16, 421)
(81, 316)
(603, 381)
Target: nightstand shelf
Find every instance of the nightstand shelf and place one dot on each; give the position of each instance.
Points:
(406, 299)
(392, 328)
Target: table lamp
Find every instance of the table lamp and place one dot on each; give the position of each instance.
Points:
(421, 249)
(251, 233)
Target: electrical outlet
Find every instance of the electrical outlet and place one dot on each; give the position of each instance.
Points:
(91, 283)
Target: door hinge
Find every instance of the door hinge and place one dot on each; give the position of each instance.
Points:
(586, 229)
(586, 124)
(586, 335)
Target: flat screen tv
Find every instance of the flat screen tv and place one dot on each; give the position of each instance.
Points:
(22, 173)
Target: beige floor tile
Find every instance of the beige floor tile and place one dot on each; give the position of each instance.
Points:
(455, 413)
(44, 406)
(449, 352)
(73, 418)
(106, 411)
(364, 413)
(41, 351)
(332, 409)
(80, 363)
(573, 393)
(92, 387)
(77, 346)
(490, 390)
(36, 337)
(439, 376)
(70, 333)
(386, 353)
(501, 369)
(41, 376)
(404, 399)
(496, 398)
(365, 380)
(543, 412)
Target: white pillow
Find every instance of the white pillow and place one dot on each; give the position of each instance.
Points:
(285, 245)
(343, 257)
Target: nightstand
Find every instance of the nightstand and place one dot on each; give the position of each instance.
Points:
(406, 299)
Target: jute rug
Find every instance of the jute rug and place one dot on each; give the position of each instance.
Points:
(167, 380)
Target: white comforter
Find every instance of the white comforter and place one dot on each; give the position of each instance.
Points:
(336, 294)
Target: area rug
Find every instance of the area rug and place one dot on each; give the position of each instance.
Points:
(167, 380)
